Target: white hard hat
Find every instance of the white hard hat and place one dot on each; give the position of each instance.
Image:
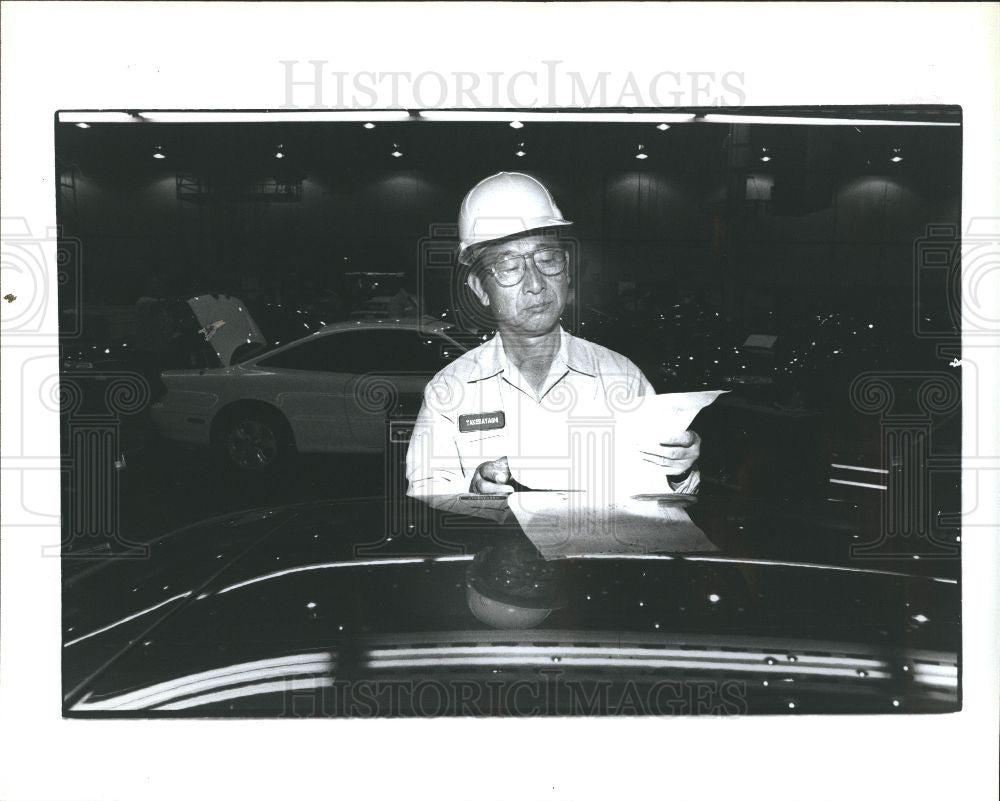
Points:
(502, 205)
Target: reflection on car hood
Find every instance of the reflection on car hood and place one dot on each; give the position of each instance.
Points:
(242, 615)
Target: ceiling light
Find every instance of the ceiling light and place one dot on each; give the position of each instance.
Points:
(280, 154)
(369, 125)
(765, 159)
(896, 158)
(396, 152)
(516, 124)
(82, 125)
(662, 127)
(640, 154)
(158, 153)
(520, 154)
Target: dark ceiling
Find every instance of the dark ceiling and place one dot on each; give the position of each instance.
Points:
(345, 150)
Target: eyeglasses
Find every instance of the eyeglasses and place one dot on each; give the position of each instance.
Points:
(510, 270)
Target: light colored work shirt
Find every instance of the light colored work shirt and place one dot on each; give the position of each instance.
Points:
(480, 408)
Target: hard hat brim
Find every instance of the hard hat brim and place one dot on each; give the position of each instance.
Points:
(468, 246)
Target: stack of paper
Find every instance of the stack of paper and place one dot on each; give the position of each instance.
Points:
(567, 524)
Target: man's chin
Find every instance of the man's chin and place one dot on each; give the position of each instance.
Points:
(534, 324)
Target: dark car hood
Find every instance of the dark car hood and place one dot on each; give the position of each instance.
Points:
(278, 609)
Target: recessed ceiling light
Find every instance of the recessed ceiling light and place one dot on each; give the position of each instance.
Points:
(82, 125)
(520, 154)
(158, 153)
(369, 125)
(396, 152)
(516, 124)
(663, 127)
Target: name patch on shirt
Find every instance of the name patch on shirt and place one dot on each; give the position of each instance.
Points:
(483, 421)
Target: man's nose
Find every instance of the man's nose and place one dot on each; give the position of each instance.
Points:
(533, 281)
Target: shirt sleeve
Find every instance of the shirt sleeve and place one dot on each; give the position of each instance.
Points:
(690, 483)
(433, 461)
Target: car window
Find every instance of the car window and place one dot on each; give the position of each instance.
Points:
(371, 351)
(409, 352)
(313, 354)
(392, 351)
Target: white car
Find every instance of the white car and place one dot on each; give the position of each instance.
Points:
(327, 393)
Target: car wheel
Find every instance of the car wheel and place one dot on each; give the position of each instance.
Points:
(254, 441)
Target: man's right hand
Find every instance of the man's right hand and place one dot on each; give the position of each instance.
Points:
(491, 478)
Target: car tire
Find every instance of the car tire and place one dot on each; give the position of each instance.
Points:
(254, 439)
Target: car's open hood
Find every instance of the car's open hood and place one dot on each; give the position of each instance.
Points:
(226, 324)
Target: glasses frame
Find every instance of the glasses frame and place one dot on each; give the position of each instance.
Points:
(526, 256)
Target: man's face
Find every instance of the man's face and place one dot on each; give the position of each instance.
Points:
(534, 305)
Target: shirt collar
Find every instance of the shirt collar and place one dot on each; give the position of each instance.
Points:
(573, 355)
(491, 361)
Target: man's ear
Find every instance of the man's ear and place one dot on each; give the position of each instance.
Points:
(475, 283)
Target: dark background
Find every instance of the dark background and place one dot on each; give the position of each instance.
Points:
(829, 219)
(818, 234)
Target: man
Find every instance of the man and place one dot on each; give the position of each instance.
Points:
(503, 416)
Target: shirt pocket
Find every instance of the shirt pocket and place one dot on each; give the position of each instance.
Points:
(477, 447)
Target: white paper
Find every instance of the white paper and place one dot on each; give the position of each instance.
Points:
(654, 420)
(570, 524)
(602, 515)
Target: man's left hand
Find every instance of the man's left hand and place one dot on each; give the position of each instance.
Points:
(676, 456)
